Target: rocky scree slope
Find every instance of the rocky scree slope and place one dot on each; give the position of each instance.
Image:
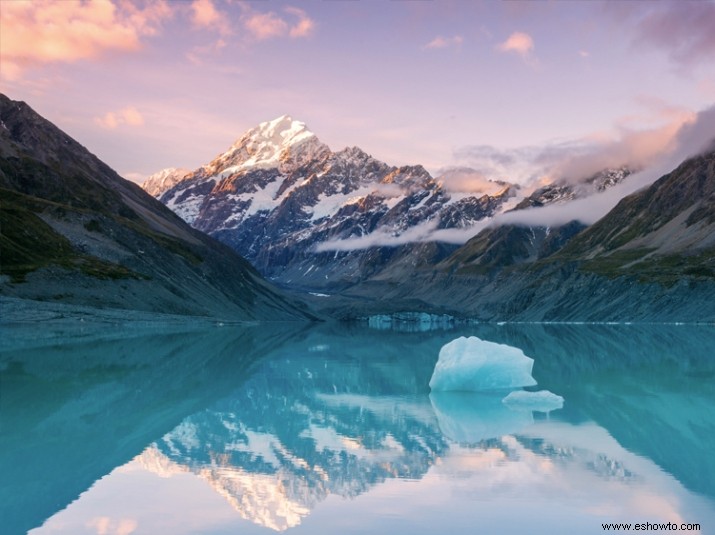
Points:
(74, 231)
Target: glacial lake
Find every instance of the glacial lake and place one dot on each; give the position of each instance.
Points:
(118, 429)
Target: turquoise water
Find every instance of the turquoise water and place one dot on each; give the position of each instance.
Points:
(125, 429)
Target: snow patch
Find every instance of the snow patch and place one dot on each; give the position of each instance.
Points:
(328, 205)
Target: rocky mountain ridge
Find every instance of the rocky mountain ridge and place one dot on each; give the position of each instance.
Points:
(314, 219)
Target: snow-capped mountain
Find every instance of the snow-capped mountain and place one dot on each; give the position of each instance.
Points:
(163, 180)
(278, 195)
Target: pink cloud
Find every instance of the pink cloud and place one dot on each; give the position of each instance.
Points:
(444, 42)
(266, 25)
(269, 25)
(45, 31)
(205, 15)
(304, 27)
(518, 42)
(128, 116)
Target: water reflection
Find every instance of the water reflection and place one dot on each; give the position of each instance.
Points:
(470, 417)
(280, 427)
(71, 412)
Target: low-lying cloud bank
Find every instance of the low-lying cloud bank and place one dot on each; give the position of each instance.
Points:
(635, 142)
(690, 138)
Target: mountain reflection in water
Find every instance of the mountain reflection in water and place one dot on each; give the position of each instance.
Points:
(279, 423)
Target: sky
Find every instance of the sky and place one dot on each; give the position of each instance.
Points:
(521, 91)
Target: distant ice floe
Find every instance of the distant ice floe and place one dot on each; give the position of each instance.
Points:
(472, 365)
(541, 401)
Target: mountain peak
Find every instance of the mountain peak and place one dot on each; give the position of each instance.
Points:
(271, 144)
(163, 180)
(283, 131)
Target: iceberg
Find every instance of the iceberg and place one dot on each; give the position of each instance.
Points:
(541, 401)
(471, 365)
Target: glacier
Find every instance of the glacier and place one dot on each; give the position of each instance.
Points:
(471, 364)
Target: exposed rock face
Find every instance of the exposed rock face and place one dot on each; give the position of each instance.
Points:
(76, 232)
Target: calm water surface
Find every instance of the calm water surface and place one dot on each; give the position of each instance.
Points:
(121, 430)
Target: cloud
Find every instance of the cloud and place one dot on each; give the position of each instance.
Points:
(381, 237)
(103, 525)
(128, 116)
(304, 27)
(205, 15)
(691, 138)
(266, 25)
(270, 25)
(444, 42)
(467, 180)
(519, 43)
(46, 31)
(635, 141)
(685, 30)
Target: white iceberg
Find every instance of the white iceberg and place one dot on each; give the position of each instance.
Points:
(471, 364)
(541, 401)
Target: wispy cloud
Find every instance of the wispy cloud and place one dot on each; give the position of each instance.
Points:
(685, 30)
(692, 138)
(635, 141)
(467, 180)
(128, 116)
(444, 42)
(381, 237)
(47, 31)
(304, 26)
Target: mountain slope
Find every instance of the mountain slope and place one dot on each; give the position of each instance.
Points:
(76, 232)
(662, 233)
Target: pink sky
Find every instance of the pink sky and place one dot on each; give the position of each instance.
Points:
(148, 85)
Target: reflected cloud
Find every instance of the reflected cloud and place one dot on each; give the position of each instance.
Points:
(106, 526)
